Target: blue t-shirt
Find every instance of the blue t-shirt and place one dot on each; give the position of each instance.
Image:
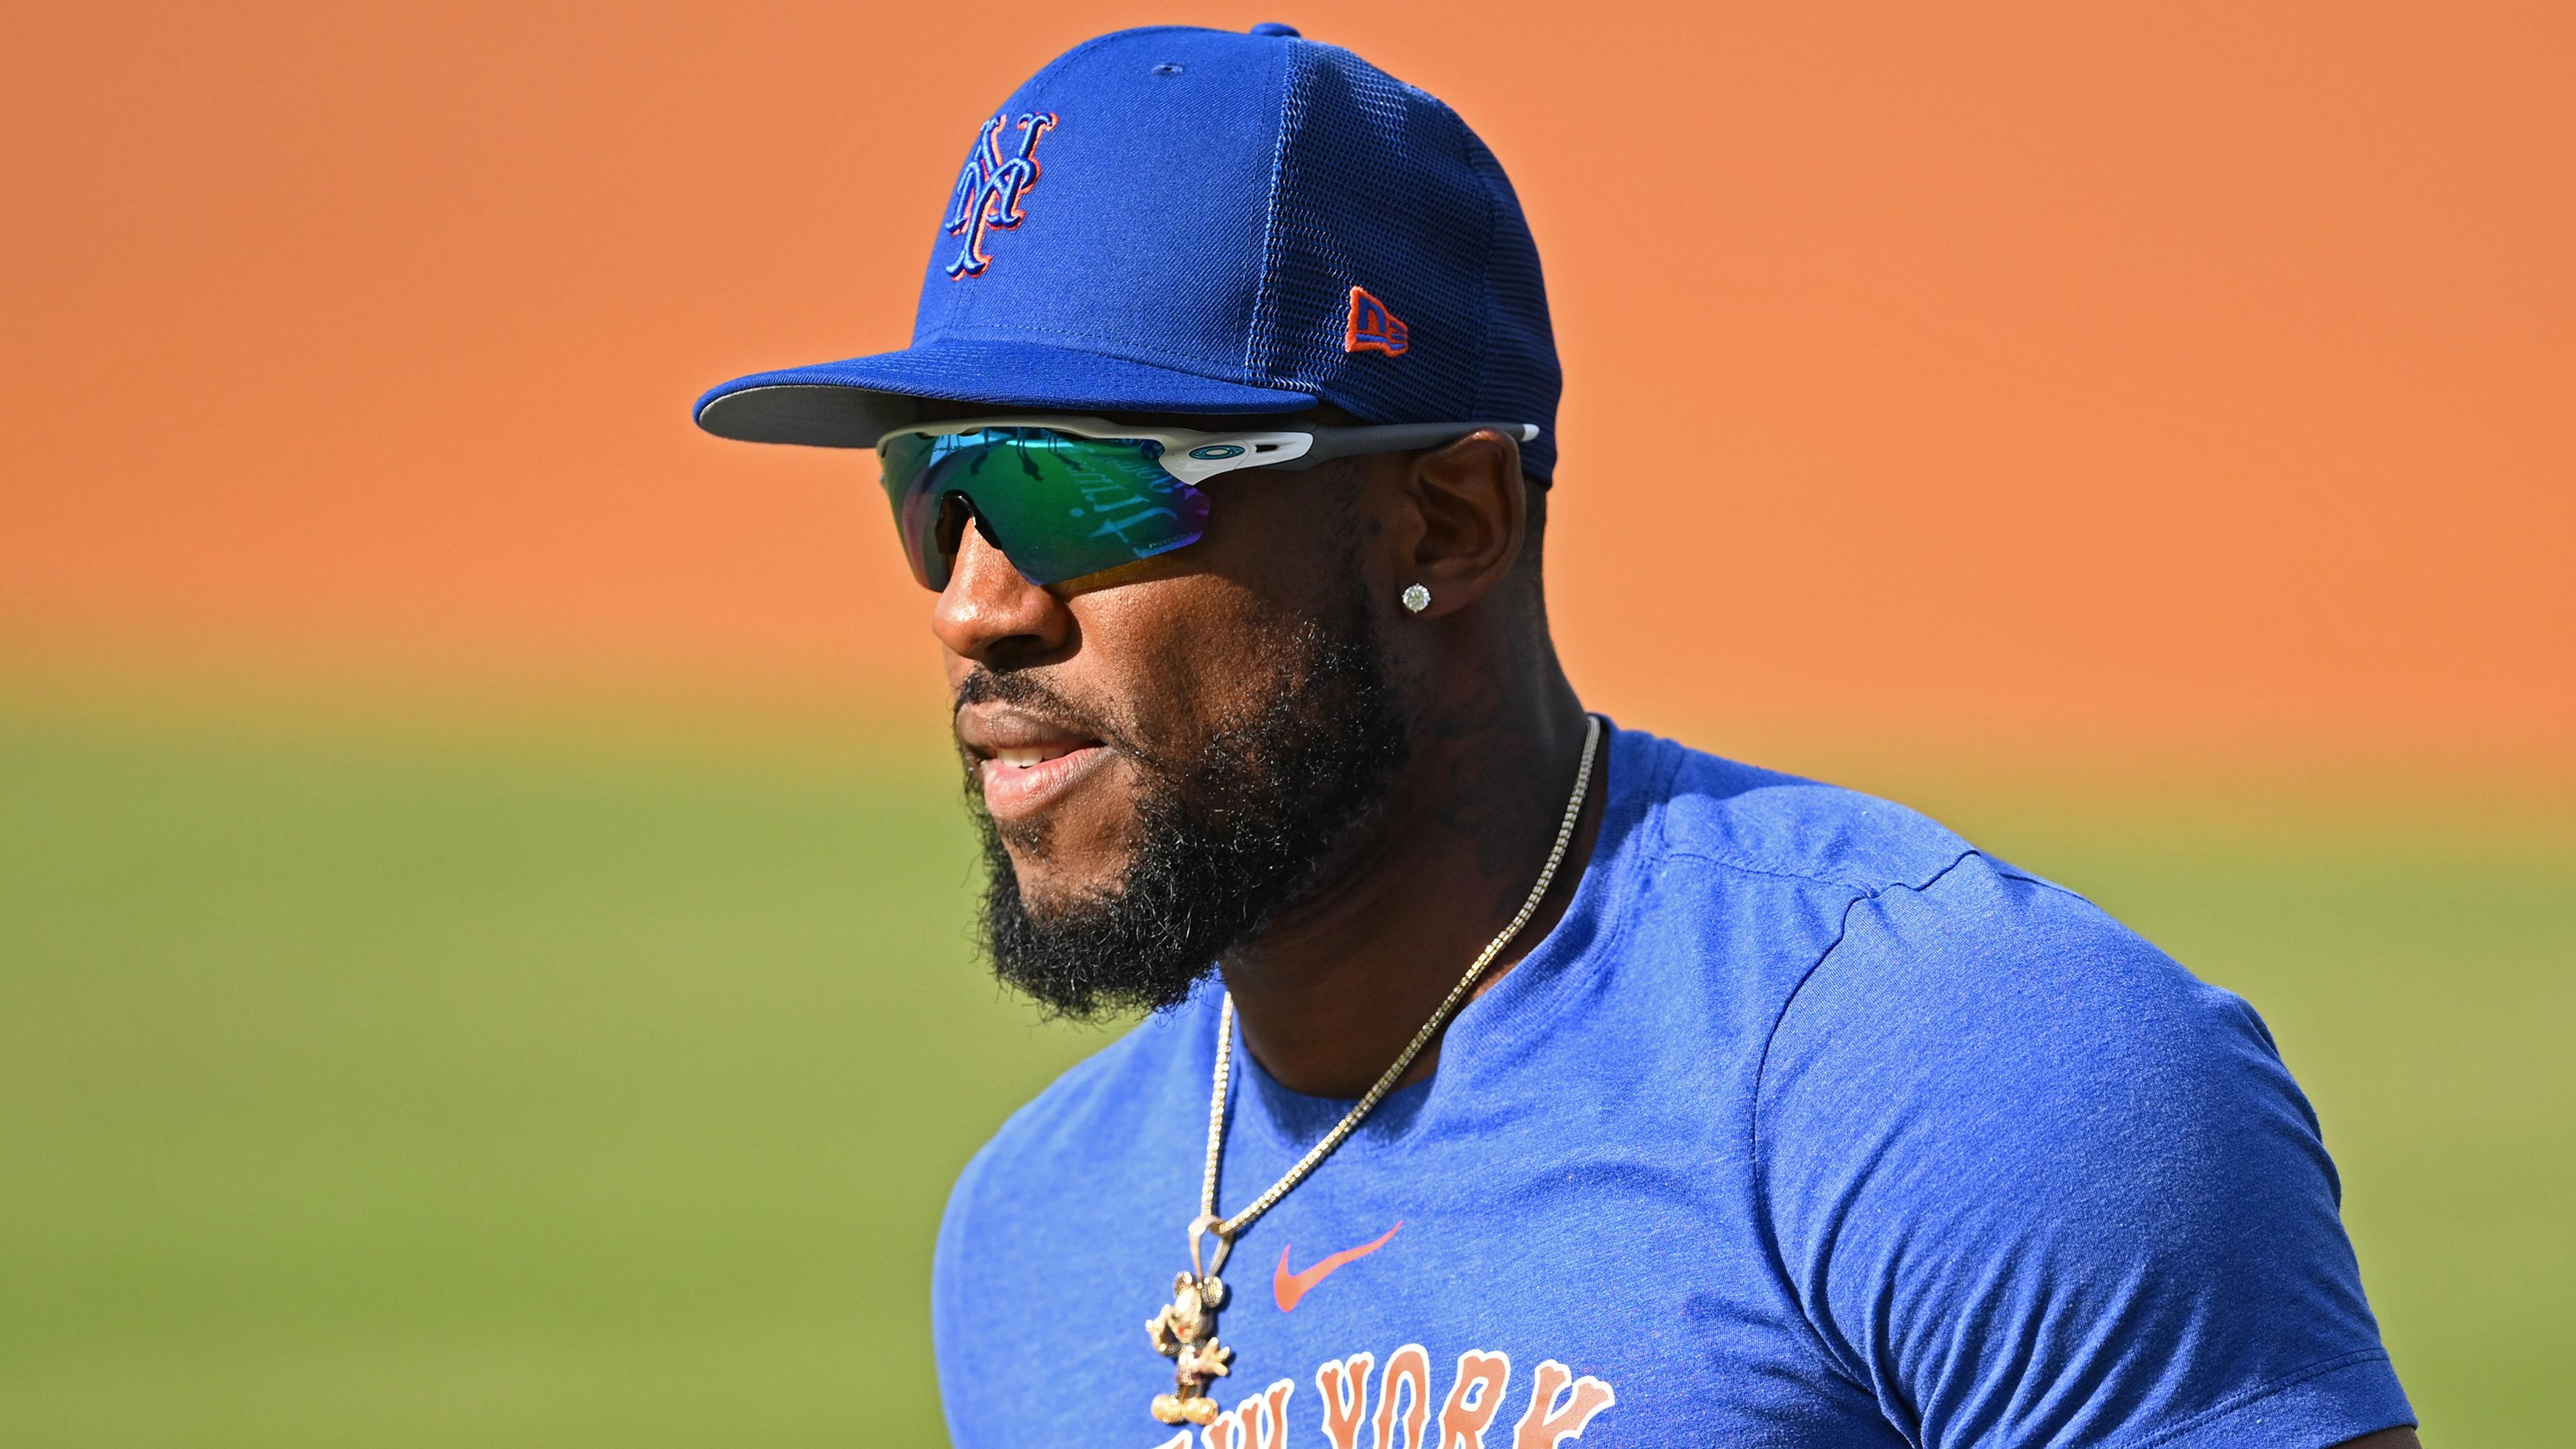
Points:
(1808, 1125)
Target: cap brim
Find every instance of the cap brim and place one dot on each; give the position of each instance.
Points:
(852, 403)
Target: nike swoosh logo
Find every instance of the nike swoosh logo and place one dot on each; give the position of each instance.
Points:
(1291, 1288)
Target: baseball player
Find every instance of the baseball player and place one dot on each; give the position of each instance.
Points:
(1507, 1079)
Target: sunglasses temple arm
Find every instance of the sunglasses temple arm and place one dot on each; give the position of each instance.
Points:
(1333, 443)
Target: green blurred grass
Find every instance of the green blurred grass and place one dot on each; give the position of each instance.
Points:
(402, 1094)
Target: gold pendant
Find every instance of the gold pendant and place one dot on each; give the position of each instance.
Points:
(1185, 1331)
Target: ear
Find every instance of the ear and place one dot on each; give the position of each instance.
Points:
(1473, 514)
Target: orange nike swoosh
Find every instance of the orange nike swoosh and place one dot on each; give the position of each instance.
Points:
(1288, 1288)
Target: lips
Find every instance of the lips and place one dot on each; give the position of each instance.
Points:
(1024, 762)
(1016, 791)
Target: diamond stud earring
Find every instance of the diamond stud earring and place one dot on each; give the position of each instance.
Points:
(1416, 598)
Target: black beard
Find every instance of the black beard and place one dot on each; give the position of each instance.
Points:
(1229, 838)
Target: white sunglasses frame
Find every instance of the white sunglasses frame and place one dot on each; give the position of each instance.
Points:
(1193, 457)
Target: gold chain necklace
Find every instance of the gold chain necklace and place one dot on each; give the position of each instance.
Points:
(1185, 1329)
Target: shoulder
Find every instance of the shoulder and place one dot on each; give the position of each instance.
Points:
(1898, 915)
(1985, 970)
(1991, 1116)
(1923, 990)
(1992, 1063)
(1762, 822)
(1986, 1015)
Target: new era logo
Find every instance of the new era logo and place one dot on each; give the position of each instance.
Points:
(1372, 328)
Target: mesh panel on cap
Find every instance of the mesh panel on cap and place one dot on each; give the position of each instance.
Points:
(1520, 379)
(1381, 186)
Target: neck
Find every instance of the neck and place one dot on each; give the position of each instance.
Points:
(1329, 994)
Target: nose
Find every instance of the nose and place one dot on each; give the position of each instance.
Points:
(991, 615)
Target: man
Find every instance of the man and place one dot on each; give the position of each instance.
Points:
(1507, 1080)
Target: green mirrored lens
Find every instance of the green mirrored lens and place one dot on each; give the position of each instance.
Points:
(1057, 505)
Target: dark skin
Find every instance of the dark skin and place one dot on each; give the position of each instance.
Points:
(1329, 993)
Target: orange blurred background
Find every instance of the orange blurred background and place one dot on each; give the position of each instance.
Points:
(2193, 375)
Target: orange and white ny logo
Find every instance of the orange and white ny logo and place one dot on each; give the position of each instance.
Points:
(991, 187)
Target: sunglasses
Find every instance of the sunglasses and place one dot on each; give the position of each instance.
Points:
(1065, 497)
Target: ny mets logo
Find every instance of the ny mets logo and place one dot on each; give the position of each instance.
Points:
(990, 188)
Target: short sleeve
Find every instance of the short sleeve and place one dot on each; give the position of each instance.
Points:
(2032, 1183)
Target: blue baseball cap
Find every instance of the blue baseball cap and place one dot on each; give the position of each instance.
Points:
(1179, 220)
